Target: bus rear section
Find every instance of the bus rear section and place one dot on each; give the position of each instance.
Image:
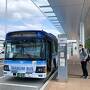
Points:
(28, 54)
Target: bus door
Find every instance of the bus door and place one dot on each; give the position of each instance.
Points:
(48, 55)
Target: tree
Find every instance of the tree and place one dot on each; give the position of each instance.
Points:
(87, 43)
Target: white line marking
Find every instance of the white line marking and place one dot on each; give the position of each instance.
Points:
(44, 86)
(2, 77)
(1, 65)
(18, 85)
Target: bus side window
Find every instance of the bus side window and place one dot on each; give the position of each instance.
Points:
(48, 50)
(53, 47)
(48, 55)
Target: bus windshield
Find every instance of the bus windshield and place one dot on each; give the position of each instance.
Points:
(25, 49)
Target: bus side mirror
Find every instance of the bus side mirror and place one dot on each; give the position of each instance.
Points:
(4, 44)
(2, 52)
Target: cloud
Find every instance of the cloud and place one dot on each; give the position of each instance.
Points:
(23, 15)
(51, 30)
(2, 32)
(25, 27)
(2, 4)
(28, 26)
(20, 16)
(11, 28)
(19, 9)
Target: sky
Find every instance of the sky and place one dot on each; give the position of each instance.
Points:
(23, 15)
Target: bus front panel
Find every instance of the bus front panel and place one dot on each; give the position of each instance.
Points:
(33, 69)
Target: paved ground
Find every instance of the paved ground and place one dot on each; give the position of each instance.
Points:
(72, 84)
(74, 81)
(20, 84)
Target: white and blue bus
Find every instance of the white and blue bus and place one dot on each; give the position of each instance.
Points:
(30, 54)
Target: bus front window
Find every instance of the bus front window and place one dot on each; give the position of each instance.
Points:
(25, 49)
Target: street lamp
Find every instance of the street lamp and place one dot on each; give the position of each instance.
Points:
(5, 17)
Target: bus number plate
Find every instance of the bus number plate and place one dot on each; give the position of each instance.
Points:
(20, 74)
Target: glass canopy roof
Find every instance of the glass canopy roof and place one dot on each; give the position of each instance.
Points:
(44, 6)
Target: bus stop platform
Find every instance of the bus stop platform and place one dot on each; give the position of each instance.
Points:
(75, 82)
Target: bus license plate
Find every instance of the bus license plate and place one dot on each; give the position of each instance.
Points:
(20, 74)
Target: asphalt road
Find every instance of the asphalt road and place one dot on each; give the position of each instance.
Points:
(1, 68)
(20, 84)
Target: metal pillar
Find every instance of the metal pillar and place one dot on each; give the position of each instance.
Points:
(82, 34)
(62, 56)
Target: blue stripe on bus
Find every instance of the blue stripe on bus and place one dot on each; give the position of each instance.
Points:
(24, 62)
(17, 62)
(41, 62)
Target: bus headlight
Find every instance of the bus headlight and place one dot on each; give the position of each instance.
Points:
(40, 69)
(6, 68)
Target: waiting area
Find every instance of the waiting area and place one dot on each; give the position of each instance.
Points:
(75, 82)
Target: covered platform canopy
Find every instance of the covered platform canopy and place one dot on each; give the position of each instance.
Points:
(67, 14)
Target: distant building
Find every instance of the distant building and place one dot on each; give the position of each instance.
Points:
(1, 49)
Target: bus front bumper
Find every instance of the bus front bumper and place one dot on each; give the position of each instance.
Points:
(23, 75)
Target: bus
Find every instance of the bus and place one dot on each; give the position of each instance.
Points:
(1, 50)
(30, 54)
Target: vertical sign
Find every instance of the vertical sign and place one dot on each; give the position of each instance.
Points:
(62, 56)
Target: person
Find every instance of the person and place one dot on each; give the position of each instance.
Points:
(83, 57)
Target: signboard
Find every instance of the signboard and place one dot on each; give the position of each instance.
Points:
(23, 34)
(62, 54)
(62, 40)
(62, 62)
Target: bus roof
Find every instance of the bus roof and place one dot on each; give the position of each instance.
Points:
(9, 33)
(51, 36)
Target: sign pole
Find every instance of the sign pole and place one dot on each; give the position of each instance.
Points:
(62, 58)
